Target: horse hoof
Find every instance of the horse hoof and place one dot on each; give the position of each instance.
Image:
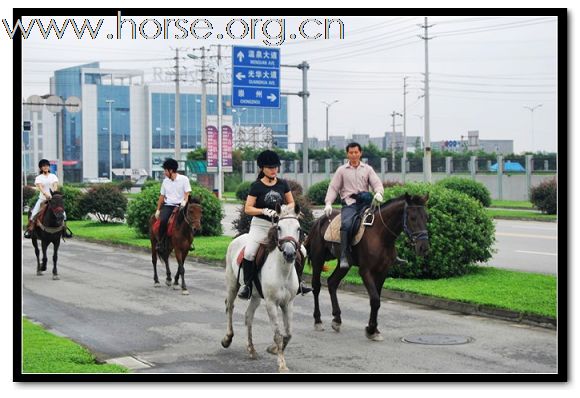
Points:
(39, 273)
(375, 337)
(168, 282)
(185, 292)
(226, 342)
(336, 326)
(55, 278)
(176, 287)
(273, 349)
(157, 284)
(284, 370)
(318, 327)
(252, 352)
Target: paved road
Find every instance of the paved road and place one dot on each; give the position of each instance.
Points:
(521, 245)
(106, 301)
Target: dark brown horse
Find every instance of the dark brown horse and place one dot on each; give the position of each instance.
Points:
(187, 223)
(49, 230)
(373, 255)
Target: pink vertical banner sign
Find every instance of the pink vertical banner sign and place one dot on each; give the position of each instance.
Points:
(227, 145)
(212, 149)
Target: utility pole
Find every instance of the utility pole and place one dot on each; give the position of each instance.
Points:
(532, 109)
(204, 82)
(427, 156)
(177, 109)
(219, 121)
(110, 102)
(393, 141)
(328, 105)
(404, 166)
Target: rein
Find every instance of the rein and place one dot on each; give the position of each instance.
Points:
(187, 220)
(413, 236)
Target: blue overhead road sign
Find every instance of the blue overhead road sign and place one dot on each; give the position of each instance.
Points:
(256, 77)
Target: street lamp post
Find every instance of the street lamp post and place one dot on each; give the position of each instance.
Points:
(110, 102)
(532, 109)
(328, 105)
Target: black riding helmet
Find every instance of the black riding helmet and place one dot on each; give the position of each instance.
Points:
(170, 164)
(43, 162)
(268, 158)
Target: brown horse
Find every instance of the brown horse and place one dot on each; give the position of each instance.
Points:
(187, 223)
(373, 255)
(49, 230)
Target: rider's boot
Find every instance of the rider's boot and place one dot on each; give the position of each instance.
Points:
(67, 233)
(302, 288)
(246, 290)
(344, 246)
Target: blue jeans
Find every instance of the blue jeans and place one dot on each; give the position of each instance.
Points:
(347, 216)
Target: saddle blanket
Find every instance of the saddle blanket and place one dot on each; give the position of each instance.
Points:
(332, 233)
(170, 223)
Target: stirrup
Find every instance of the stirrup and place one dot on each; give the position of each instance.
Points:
(303, 289)
(28, 234)
(368, 219)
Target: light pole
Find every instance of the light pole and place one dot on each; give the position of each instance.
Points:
(532, 109)
(110, 102)
(393, 140)
(328, 105)
(239, 113)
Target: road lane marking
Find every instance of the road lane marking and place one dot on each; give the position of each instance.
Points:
(526, 235)
(542, 253)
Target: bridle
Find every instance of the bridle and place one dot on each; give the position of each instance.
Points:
(413, 236)
(187, 220)
(288, 239)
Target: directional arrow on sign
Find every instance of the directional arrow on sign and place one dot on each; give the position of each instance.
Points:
(240, 56)
(240, 76)
(272, 97)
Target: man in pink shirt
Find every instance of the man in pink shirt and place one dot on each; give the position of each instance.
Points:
(350, 180)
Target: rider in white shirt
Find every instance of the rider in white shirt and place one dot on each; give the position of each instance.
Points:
(45, 182)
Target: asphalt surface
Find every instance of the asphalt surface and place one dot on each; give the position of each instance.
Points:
(106, 301)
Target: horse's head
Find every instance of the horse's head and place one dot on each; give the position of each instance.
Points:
(193, 213)
(56, 206)
(288, 231)
(415, 223)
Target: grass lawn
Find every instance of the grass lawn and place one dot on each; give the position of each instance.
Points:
(512, 204)
(44, 352)
(520, 215)
(517, 291)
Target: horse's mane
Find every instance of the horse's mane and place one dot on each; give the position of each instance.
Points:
(390, 201)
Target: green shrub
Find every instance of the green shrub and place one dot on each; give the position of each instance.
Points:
(150, 182)
(231, 181)
(243, 190)
(143, 206)
(28, 193)
(461, 234)
(125, 185)
(212, 211)
(72, 202)
(317, 193)
(544, 196)
(106, 202)
(295, 187)
(472, 188)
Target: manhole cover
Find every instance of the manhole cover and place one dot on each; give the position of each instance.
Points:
(437, 339)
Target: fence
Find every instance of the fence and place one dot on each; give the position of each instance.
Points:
(504, 184)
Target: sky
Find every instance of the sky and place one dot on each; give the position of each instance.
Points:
(484, 71)
(529, 54)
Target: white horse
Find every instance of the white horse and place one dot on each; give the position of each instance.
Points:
(278, 279)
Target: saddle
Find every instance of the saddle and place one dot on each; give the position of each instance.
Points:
(259, 261)
(170, 223)
(39, 218)
(332, 233)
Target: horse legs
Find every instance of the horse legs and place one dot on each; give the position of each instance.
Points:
(232, 290)
(278, 346)
(180, 257)
(44, 245)
(254, 303)
(333, 282)
(165, 258)
(55, 245)
(154, 261)
(370, 280)
(316, 271)
(287, 310)
(37, 252)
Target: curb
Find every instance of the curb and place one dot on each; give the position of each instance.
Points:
(430, 301)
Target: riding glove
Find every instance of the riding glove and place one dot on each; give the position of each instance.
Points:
(328, 210)
(157, 213)
(269, 213)
(378, 197)
(183, 203)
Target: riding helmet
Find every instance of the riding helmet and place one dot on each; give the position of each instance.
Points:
(170, 164)
(268, 158)
(43, 162)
